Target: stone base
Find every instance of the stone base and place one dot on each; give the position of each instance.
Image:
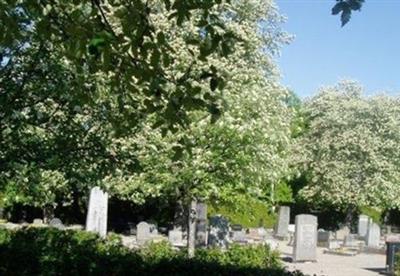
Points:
(303, 261)
(370, 250)
(342, 252)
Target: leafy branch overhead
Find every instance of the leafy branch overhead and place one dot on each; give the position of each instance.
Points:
(345, 8)
(120, 41)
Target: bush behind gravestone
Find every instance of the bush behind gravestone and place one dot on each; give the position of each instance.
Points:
(247, 212)
(48, 251)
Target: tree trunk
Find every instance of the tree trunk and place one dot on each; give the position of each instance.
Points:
(48, 214)
(192, 228)
(179, 216)
(350, 215)
(273, 196)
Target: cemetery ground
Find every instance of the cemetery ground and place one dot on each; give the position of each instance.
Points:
(365, 264)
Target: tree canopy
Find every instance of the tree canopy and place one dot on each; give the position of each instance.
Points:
(351, 148)
(78, 112)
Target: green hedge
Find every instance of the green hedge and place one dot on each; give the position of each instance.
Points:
(46, 251)
(248, 213)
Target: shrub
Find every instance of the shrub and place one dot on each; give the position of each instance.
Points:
(397, 265)
(260, 256)
(47, 251)
(248, 212)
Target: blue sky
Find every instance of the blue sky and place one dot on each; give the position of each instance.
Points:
(367, 49)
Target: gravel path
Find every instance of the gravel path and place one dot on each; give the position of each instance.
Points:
(333, 265)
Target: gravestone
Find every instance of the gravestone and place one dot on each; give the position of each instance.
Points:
(236, 227)
(56, 223)
(373, 237)
(201, 224)
(392, 249)
(291, 230)
(37, 221)
(218, 235)
(153, 229)
(342, 233)
(305, 238)
(239, 236)
(323, 237)
(175, 237)
(143, 233)
(333, 244)
(350, 241)
(283, 222)
(362, 226)
(96, 220)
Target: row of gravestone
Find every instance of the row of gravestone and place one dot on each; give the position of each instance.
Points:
(215, 235)
(306, 235)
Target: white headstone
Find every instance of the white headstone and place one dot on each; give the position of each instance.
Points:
(96, 220)
(363, 226)
(342, 233)
(175, 237)
(305, 238)
(38, 221)
(143, 233)
(283, 222)
(373, 235)
(56, 223)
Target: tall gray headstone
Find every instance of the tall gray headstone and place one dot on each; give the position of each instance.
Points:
(283, 222)
(143, 233)
(373, 235)
(305, 238)
(96, 220)
(201, 225)
(363, 226)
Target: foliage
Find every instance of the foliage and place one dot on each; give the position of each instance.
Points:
(260, 256)
(245, 151)
(79, 112)
(397, 265)
(154, 253)
(351, 149)
(246, 211)
(46, 251)
(345, 8)
(374, 213)
(119, 41)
